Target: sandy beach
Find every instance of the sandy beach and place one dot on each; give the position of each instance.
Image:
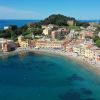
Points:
(77, 59)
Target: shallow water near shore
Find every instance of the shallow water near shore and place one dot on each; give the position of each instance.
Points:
(46, 77)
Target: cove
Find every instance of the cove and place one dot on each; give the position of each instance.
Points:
(46, 77)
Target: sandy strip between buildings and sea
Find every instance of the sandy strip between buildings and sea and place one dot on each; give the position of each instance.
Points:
(88, 65)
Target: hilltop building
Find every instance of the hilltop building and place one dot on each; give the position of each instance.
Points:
(71, 22)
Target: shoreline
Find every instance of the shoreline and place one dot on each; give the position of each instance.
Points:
(77, 59)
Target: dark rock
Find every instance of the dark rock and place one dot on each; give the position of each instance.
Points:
(29, 68)
(90, 99)
(75, 77)
(70, 96)
(86, 91)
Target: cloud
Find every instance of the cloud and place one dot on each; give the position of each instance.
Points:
(11, 13)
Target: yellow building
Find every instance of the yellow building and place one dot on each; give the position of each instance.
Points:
(20, 38)
(89, 54)
(92, 53)
(22, 42)
(49, 44)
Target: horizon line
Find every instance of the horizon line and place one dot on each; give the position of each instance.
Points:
(43, 19)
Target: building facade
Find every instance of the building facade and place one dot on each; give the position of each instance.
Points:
(49, 44)
(7, 45)
(23, 42)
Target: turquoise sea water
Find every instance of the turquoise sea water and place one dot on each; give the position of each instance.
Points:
(46, 77)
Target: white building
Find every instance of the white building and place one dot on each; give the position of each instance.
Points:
(48, 29)
(73, 34)
(6, 41)
(99, 34)
(6, 27)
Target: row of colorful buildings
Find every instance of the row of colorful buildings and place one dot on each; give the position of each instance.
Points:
(85, 49)
(39, 43)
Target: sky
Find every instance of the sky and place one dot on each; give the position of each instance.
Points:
(40, 9)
